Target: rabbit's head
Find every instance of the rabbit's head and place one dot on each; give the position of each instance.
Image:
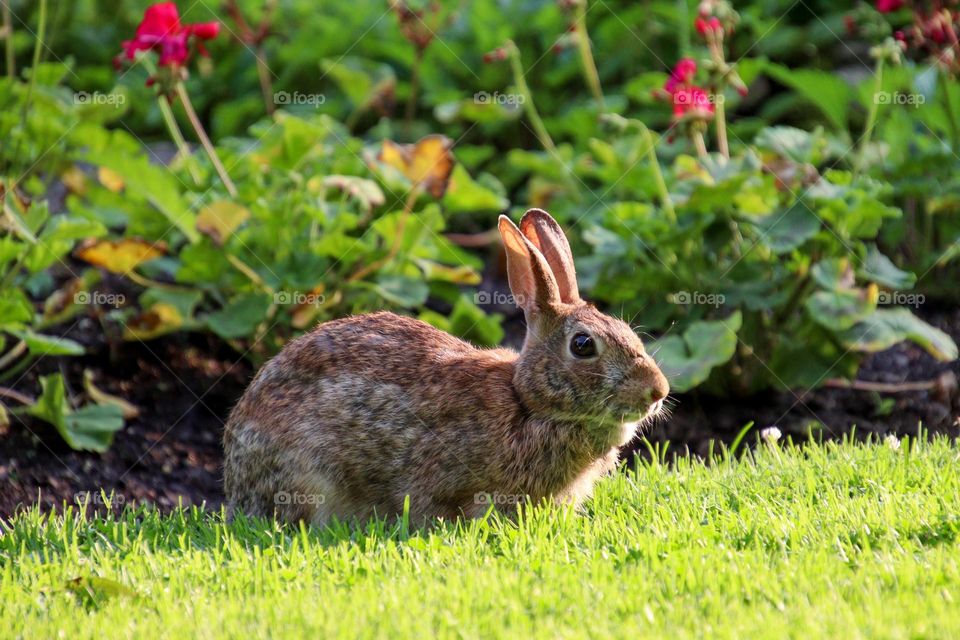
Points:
(577, 363)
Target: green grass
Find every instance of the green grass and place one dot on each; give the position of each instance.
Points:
(834, 540)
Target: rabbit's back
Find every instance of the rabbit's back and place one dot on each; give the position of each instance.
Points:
(342, 421)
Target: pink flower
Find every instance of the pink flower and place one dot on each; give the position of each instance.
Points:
(161, 30)
(886, 6)
(682, 75)
(691, 100)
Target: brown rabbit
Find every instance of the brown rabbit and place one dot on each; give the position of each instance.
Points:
(353, 417)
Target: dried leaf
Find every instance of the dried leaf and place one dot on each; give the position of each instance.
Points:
(120, 256)
(160, 319)
(220, 219)
(427, 164)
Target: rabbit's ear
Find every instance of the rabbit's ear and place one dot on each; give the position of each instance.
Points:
(531, 279)
(542, 230)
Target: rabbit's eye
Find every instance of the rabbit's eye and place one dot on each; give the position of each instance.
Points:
(582, 346)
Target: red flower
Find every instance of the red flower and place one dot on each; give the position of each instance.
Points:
(886, 6)
(692, 99)
(704, 26)
(162, 31)
(681, 75)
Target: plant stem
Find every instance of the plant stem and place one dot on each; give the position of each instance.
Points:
(651, 152)
(699, 144)
(174, 129)
(14, 353)
(539, 129)
(871, 118)
(586, 54)
(248, 271)
(721, 118)
(948, 107)
(518, 78)
(411, 109)
(16, 395)
(266, 84)
(204, 139)
(8, 41)
(41, 33)
(363, 272)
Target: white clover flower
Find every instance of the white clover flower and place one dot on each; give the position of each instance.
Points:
(770, 434)
(892, 441)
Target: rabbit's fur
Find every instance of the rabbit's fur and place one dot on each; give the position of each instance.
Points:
(353, 417)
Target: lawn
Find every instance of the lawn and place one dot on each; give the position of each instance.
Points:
(834, 540)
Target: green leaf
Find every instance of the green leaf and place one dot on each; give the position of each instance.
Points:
(15, 309)
(401, 290)
(841, 309)
(887, 327)
(880, 269)
(90, 428)
(466, 195)
(786, 230)
(240, 317)
(360, 80)
(42, 345)
(826, 91)
(154, 183)
(706, 344)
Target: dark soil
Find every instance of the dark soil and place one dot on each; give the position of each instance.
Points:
(699, 423)
(185, 387)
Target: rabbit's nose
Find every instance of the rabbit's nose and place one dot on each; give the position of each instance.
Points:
(659, 387)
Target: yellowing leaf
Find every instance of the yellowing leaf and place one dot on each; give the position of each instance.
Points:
(461, 274)
(120, 256)
(110, 179)
(99, 396)
(75, 180)
(160, 319)
(427, 164)
(220, 219)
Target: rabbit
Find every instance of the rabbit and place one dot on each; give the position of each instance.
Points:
(349, 420)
